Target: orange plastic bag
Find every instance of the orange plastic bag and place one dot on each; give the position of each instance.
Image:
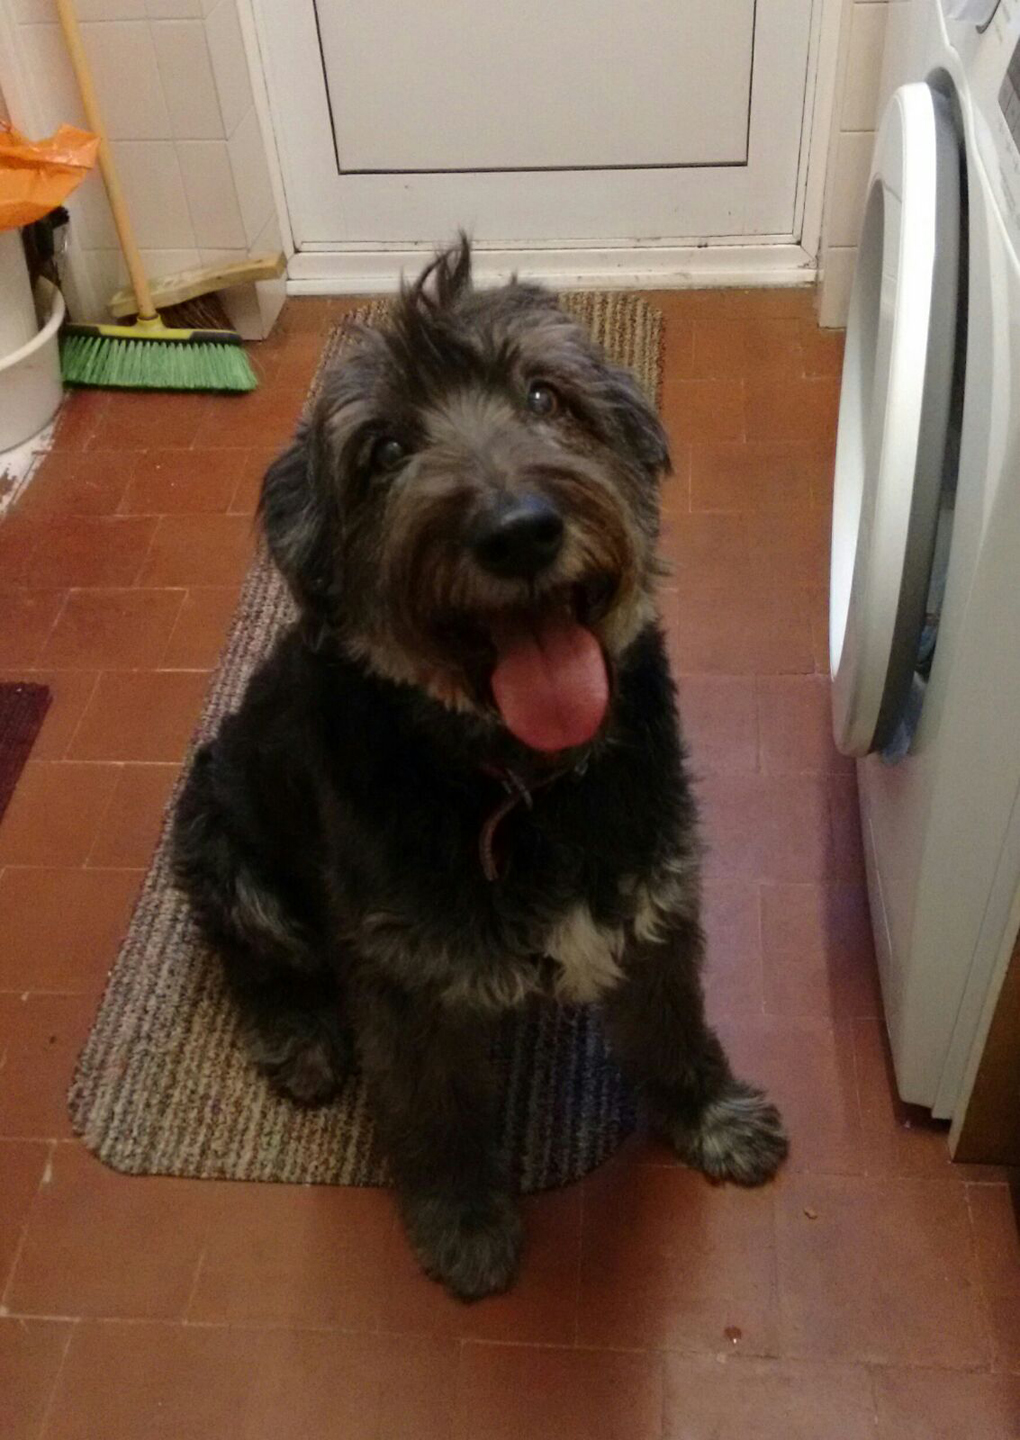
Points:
(38, 175)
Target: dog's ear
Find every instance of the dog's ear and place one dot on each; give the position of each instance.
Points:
(637, 422)
(294, 514)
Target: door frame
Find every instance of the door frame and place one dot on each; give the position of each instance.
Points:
(728, 261)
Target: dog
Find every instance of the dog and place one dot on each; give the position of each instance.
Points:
(459, 781)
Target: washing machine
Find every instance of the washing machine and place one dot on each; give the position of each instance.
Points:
(925, 576)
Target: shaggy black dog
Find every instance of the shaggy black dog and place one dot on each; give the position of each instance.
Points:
(459, 780)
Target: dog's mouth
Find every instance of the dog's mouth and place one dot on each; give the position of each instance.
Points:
(542, 665)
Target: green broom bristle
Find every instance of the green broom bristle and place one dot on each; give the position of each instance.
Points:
(154, 364)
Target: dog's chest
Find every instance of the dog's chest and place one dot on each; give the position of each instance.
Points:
(586, 955)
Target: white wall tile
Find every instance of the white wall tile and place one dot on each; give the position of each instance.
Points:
(251, 175)
(108, 272)
(212, 199)
(188, 84)
(864, 67)
(151, 176)
(43, 10)
(836, 284)
(208, 6)
(127, 80)
(174, 9)
(51, 76)
(91, 220)
(849, 186)
(230, 64)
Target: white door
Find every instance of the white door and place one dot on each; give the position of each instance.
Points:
(585, 123)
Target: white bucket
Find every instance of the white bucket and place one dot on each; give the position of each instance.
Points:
(30, 385)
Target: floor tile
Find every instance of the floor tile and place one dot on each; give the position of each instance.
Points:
(199, 550)
(79, 417)
(245, 499)
(19, 538)
(55, 812)
(161, 1382)
(103, 550)
(732, 347)
(507, 1392)
(139, 420)
(818, 950)
(848, 853)
(540, 1309)
(31, 1354)
(766, 827)
(104, 1244)
(201, 628)
(315, 1255)
(259, 419)
(733, 973)
(995, 1222)
(70, 692)
(791, 545)
(41, 1038)
(130, 827)
(795, 719)
(740, 631)
(816, 605)
(878, 1271)
(899, 1140)
(669, 1260)
(172, 482)
(702, 411)
(823, 350)
(112, 629)
(140, 715)
(754, 476)
(705, 545)
(358, 1387)
(946, 1405)
(720, 722)
(77, 482)
(28, 618)
(807, 1067)
(802, 410)
(731, 1398)
(22, 1163)
(62, 927)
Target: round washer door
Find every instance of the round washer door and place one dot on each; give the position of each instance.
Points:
(893, 417)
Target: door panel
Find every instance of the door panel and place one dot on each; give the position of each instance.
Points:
(472, 85)
(668, 122)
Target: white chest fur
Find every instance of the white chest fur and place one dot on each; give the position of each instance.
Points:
(587, 954)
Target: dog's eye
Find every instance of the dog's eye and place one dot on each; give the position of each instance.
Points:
(542, 399)
(387, 453)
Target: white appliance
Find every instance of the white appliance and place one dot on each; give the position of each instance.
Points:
(925, 583)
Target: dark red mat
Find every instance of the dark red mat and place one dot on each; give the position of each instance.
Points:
(22, 711)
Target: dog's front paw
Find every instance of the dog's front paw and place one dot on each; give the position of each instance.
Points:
(473, 1247)
(739, 1137)
(306, 1059)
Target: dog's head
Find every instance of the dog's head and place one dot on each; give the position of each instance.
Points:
(472, 506)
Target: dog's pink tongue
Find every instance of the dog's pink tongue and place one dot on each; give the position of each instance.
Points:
(550, 683)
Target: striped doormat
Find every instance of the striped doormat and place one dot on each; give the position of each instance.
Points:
(163, 1085)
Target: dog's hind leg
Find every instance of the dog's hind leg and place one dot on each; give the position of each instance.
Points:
(285, 988)
(657, 1027)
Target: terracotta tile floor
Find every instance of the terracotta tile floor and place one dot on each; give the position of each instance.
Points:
(873, 1291)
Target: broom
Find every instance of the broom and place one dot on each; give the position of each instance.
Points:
(147, 354)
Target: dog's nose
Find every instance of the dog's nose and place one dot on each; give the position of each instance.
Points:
(517, 538)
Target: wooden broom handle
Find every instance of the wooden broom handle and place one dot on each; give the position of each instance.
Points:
(128, 244)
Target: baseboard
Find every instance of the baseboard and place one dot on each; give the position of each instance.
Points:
(370, 272)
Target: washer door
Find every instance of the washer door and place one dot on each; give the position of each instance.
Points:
(894, 410)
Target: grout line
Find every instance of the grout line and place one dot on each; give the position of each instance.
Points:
(44, 1179)
(48, 1408)
(199, 1267)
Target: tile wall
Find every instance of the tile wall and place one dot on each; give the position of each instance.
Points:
(173, 80)
(857, 112)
